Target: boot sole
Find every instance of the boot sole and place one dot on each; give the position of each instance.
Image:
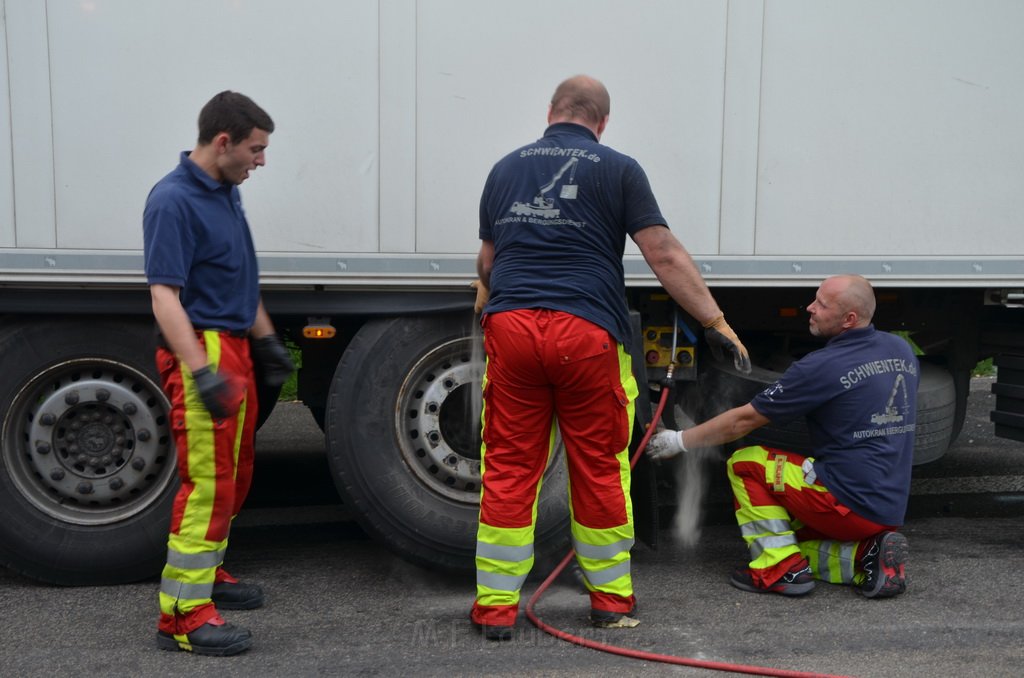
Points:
(173, 645)
(251, 604)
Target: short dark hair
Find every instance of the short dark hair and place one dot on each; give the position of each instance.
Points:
(233, 113)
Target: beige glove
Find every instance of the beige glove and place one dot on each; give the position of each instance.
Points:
(721, 338)
(482, 294)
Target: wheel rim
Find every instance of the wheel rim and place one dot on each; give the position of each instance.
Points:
(437, 417)
(439, 422)
(87, 442)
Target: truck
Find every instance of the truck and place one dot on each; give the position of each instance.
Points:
(786, 142)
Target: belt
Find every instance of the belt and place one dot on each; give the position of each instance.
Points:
(238, 334)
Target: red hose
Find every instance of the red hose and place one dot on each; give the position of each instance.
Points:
(640, 654)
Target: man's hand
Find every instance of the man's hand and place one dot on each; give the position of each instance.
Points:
(721, 338)
(220, 397)
(665, 445)
(274, 359)
(482, 294)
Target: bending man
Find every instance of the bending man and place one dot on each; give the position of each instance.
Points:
(832, 516)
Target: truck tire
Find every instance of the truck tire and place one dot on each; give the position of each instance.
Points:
(87, 465)
(936, 404)
(403, 442)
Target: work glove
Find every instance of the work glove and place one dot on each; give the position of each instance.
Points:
(274, 359)
(665, 445)
(482, 295)
(721, 338)
(220, 397)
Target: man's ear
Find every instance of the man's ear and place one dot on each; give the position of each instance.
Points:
(220, 141)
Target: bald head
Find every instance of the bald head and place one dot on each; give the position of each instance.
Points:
(843, 302)
(581, 99)
(854, 293)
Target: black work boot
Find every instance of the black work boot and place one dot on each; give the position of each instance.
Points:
(236, 596)
(216, 638)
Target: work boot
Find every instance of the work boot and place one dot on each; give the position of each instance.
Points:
(796, 582)
(236, 596)
(603, 619)
(492, 632)
(884, 564)
(231, 594)
(216, 638)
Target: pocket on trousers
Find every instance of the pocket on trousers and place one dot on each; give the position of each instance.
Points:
(583, 346)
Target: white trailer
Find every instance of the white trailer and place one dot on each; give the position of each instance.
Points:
(786, 141)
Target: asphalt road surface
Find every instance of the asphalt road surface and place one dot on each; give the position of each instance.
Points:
(338, 604)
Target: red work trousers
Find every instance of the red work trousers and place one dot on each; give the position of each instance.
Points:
(215, 460)
(544, 366)
(786, 520)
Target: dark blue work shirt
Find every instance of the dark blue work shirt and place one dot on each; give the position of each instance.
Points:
(558, 212)
(859, 395)
(196, 237)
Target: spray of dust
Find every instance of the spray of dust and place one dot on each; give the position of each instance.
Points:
(694, 468)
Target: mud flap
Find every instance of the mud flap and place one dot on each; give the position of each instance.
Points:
(643, 488)
(1008, 414)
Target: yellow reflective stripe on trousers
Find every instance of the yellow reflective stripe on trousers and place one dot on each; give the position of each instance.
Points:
(604, 554)
(188, 576)
(832, 561)
(767, 530)
(504, 557)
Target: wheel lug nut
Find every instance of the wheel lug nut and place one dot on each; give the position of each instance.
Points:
(102, 395)
(43, 448)
(116, 484)
(143, 435)
(130, 409)
(138, 463)
(84, 488)
(71, 398)
(57, 474)
(47, 419)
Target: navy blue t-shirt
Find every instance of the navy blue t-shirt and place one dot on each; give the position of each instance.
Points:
(196, 237)
(859, 395)
(558, 212)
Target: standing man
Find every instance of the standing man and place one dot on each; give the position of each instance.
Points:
(832, 516)
(554, 217)
(203, 278)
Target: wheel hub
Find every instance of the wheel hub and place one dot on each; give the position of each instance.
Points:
(95, 442)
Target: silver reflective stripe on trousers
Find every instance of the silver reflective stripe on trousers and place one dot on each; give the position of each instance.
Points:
(605, 552)
(180, 591)
(778, 541)
(756, 527)
(500, 582)
(512, 554)
(195, 561)
(609, 574)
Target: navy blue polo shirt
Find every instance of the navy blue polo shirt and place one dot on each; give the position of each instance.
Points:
(859, 395)
(558, 212)
(196, 237)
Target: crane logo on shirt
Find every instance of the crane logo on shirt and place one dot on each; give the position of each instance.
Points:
(542, 210)
(890, 421)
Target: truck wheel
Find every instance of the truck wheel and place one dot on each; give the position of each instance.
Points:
(936, 403)
(403, 441)
(87, 466)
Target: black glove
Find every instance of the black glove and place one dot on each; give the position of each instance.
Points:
(215, 393)
(274, 360)
(721, 338)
